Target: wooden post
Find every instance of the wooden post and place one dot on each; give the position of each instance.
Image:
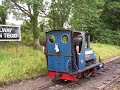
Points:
(16, 48)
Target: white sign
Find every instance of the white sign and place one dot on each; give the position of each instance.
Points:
(10, 33)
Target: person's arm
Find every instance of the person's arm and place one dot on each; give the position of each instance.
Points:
(77, 46)
(77, 49)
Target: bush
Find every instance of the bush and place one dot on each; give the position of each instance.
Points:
(105, 36)
(27, 39)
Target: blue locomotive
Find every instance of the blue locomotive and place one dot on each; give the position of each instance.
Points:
(60, 57)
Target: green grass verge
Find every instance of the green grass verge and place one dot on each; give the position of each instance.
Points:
(105, 51)
(30, 63)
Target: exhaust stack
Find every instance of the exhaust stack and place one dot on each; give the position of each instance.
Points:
(88, 41)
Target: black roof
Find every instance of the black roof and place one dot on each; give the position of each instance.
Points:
(64, 30)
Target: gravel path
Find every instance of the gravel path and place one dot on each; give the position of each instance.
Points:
(110, 70)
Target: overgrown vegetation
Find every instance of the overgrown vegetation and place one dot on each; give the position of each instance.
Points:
(99, 17)
(105, 36)
(31, 63)
(105, 51)
(28, 63)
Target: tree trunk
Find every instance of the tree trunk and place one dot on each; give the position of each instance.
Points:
(34, 23)
(4, 20)
(36, 43)
(35, 33)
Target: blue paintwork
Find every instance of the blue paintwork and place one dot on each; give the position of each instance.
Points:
(82, 53)
(58, 63)
(65, 48)
(92, 55)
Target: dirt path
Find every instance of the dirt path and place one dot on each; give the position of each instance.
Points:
(28, 84)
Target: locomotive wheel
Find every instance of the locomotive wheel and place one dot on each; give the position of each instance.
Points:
(93, 72)
(88, 73)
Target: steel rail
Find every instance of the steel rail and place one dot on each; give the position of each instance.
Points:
(108, 82)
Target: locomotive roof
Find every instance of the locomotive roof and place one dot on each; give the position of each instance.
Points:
(64, 30)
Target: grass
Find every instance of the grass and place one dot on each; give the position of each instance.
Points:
(31, 63)
(28, 63)
(105, 51)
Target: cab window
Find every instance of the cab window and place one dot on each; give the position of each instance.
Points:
(65, 38)
(51, 39)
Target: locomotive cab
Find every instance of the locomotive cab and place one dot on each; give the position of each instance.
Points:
(60, 57)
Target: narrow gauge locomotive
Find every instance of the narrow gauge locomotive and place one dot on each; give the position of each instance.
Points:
(60, 57)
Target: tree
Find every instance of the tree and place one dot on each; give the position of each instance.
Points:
(31, 9)
(3, 14)
(59, 13)
(111, 14)
(85, 14)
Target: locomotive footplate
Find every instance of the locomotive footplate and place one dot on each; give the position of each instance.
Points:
(97, 64)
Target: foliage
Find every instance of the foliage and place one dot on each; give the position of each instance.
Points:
(85, 14)
(111, 14)
(3, 14)
(27, 39)
(99, 17)
(59, 13)
(31, 63)
(27, 36)
(28, 63)
(106, 36)
(105, 51)
(32, 10)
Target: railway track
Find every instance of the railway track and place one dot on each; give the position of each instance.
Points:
(46, 86)
(63, 85)
(108, 82)
(53, 85)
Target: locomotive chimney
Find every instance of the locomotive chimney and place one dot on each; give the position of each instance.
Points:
(88, 41)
